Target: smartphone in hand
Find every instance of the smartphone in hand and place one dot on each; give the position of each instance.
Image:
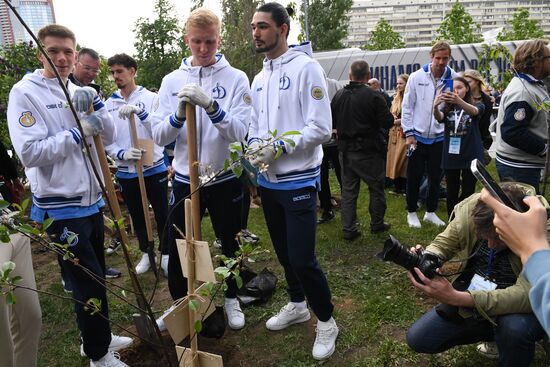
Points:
(490, 184)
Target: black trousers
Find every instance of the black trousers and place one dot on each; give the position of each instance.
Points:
(88, 248)
(461, 183)
(330, 155)
(156, 187)
(291, 217)
(426, 158)
(224, 203)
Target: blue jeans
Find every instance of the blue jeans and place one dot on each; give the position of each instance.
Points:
(515, 335)
(530, 176)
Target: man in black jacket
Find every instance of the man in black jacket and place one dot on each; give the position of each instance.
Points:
(358, 115)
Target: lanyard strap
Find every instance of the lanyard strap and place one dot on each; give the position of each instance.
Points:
(490, 263)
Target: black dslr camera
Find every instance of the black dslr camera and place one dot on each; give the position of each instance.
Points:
(395, 252)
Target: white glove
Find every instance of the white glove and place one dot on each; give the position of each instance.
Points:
(180, 113)
(83, 98)
(265, 156)
(91, 125)
(132, 154)
(194, 94)
(126, 111)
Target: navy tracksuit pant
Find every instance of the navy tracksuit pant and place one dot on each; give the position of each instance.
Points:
(291, 217)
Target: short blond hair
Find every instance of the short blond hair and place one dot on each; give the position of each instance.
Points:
(528, 54)
(202, 17)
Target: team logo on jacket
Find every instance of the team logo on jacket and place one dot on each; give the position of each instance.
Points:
(218, 92)
(247, 99)
(69, 236)
(317, 93)
(520, 114)
(27, 119)
(284, 82)
(141, 105)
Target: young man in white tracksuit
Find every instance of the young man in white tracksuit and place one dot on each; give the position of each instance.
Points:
(424, 133)
(50, 146)
(221, 95)
(290, 94)
(132, 99)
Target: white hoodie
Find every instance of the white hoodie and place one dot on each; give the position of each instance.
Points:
(45, 137)
(146, 100)
(290, 94)
(227, 86)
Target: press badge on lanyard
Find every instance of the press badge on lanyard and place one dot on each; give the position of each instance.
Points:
(454, 141)
(483, 284)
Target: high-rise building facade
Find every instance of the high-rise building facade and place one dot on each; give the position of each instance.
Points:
(417, 21)
(36, 13)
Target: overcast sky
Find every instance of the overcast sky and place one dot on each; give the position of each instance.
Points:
(107, 25)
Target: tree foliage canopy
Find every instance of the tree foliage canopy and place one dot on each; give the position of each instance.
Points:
(327, 22)
(383, 37)
(237, 44)
(459, 27)
(522, 28)
(15, 61)
(159, 45)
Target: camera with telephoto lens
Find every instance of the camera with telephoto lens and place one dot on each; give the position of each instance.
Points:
(395, 252)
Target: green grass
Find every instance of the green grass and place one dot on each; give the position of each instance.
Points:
(374, 304)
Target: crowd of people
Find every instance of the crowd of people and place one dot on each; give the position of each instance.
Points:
(422, 138)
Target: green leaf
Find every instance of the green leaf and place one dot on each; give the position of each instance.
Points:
(123, 292)
(4, 204)
(121, 223)
(47, 223)
(236, 146)
(290, 142)
(72, 238)
(8, 267)
(27, 228)
(16, 279)
(4, 237)
(226, 165)
(279, 152)
(239, 281)
(10, 298)
(198, 326)
(24, 205)
(237, 170)
(194, 305)
(292, 132)
(66, 255)
(234, 156)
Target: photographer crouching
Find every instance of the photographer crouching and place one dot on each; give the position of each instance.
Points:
(486, 299)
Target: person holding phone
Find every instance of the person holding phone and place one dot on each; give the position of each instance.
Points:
(527, 236)
(462, 141)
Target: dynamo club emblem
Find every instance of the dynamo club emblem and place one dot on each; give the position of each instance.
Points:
(218, 92)
(69, 236)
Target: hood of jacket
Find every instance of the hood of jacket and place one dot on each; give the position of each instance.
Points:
(294, 51)
(220, 64)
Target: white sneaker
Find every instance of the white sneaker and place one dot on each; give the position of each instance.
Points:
(164, 264)
(288, 315)
(235, 316)
(412, 220)
(160, 321)
(434, 219)
(143, 265)
(325, 341)
(111, 359)
(488, 349)
(118, 342)
(217, 243)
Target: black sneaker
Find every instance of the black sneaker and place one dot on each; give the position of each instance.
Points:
(383, 228)
(112, 273)
(327, 216)
(113, 246)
